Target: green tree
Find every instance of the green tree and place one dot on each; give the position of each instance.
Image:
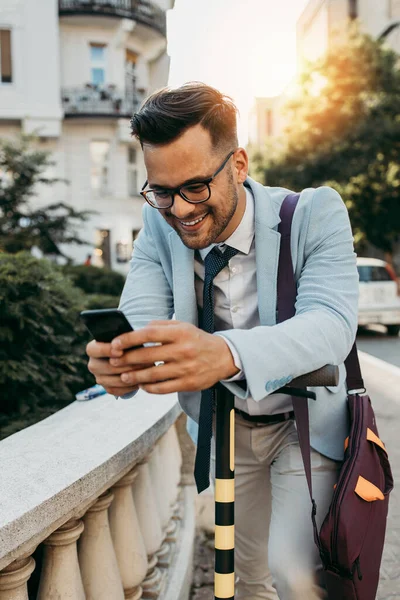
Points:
(22, 168)
(344, 130)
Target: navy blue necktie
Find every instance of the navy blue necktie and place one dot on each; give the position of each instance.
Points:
(214, 263)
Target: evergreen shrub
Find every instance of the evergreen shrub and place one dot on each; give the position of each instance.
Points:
(42, 340)
(94, 301)
(95, 280)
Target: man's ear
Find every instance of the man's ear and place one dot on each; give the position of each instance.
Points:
(241, 163)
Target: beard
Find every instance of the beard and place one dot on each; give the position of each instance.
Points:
(217, 220)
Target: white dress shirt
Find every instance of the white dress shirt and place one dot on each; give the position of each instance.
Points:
(236, 302)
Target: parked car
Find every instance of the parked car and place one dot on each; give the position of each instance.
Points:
(379, 302)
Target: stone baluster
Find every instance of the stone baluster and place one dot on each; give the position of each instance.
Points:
(170, 469)
(162, 494)
(188, 450)
(159, 473)
(147, 512)
(175, 442)
(60, 577)
(127, 537)
(100, 573)
(173, 435)
(169, 446)
(166, 469)
(13, 579)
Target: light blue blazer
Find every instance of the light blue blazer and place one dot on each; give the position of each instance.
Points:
(161, 283)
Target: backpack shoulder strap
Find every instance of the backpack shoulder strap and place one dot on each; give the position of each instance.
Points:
(286, 298)
(287, 289)
(286, 285)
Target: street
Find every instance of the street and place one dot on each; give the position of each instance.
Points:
(383, 383)
(375, 341)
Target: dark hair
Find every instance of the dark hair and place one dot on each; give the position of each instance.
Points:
(168, 113)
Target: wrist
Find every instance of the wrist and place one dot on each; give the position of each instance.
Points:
(227, 367)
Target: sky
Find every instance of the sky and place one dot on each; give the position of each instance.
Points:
(245, 48)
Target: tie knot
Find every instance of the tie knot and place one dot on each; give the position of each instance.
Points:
(216, 260)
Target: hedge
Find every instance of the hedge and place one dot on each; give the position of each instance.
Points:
(42, 341)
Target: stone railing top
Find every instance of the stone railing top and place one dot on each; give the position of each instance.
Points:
(52, 471)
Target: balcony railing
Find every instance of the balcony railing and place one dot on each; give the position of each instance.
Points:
(96, 496)
(143, 11)
(104, 101)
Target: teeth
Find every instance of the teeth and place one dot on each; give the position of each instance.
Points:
(192, 222)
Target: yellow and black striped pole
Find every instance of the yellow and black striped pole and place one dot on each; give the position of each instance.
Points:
(224, 583)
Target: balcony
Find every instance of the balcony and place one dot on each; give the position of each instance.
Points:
(99, 101)
(98, 503)
(142, 11)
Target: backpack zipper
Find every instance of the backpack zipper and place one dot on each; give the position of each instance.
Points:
(349, 466)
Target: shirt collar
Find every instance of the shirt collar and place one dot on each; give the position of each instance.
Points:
(242, 238)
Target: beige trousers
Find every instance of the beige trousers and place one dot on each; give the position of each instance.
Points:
(275, 554)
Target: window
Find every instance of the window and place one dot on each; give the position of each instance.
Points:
(123, 251)
(130, 74)
(102, 251)
(130, 59)
(353, 12)
(5, 56)
(268, 121)
(372, 273)
(98, 63)
(132, 172)
(99, 172)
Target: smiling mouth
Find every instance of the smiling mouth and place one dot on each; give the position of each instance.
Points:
(194, 222)
(193, 225)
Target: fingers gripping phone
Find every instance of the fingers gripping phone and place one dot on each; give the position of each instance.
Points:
(105, 324)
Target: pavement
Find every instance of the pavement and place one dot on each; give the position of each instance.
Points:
(383, 385)
(375, 341)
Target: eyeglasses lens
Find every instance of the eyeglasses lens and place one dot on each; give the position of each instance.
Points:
(198, 192)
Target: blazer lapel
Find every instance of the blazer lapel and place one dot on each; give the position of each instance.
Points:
(267, 242)
(183, 280)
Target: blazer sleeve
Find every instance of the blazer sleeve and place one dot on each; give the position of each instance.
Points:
(325, 324)
(147, 294)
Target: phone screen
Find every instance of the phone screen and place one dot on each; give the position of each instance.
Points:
(106, 324)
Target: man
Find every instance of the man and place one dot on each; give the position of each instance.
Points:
(199, 197)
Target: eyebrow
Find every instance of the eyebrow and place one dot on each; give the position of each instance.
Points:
(197, 179)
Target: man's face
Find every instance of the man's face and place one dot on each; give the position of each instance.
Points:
(193, 156)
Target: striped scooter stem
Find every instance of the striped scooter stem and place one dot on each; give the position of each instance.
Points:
(224, 582)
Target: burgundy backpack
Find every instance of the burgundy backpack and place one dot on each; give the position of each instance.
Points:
(352, 535)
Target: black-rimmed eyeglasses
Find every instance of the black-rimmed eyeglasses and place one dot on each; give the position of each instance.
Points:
(194, 192)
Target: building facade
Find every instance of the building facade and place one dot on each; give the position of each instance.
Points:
(323, 23)
(73, 72)
(264, 120)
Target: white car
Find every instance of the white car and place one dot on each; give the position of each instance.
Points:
(379, 301)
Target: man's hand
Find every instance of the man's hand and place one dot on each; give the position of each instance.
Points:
(107, 375)
(193, 359)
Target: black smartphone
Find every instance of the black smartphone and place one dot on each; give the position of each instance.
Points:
(105, 324)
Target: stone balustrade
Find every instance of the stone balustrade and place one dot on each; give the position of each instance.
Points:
(93, 505)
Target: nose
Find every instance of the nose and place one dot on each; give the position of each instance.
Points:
(180, 208)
